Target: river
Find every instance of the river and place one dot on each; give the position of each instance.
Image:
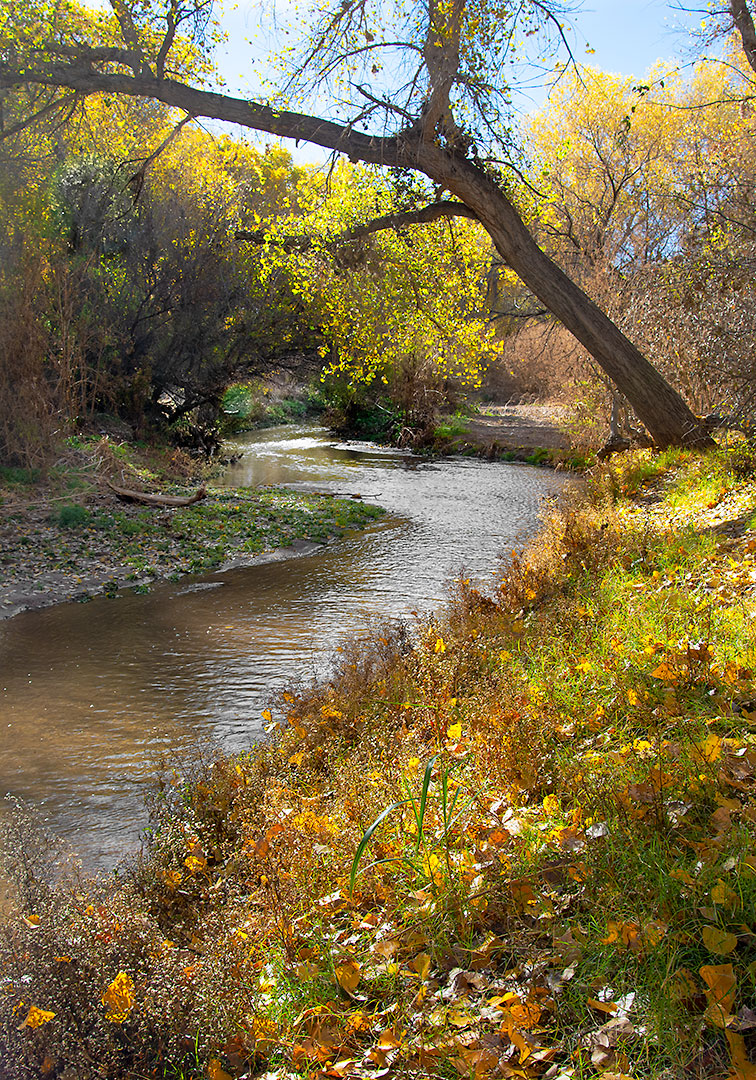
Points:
(93, 695)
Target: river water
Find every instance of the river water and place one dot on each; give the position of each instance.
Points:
(93, 695)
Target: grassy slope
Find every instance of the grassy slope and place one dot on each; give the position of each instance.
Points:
(563, 879)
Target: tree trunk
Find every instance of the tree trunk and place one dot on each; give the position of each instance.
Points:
(659, 407)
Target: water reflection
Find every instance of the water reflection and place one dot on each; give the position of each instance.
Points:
(91, 695)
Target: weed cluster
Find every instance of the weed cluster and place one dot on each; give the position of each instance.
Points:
(516, 841)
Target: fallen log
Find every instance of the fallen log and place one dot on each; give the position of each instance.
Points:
(128, 496)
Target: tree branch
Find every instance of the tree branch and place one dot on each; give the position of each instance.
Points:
(80, 76)
(57, 105)
(744, 21)
(445, 208)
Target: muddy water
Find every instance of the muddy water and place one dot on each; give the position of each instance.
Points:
(92, 695)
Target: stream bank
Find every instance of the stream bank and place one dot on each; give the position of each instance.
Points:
(94, 696)
(85, 543)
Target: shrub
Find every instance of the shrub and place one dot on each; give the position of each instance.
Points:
(72, 516)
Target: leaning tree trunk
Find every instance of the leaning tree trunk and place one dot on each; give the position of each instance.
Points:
(659, 407)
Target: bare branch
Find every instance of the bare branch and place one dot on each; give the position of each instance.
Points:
(57, 105)
(136, 181)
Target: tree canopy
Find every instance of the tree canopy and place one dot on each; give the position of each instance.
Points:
(439, 112)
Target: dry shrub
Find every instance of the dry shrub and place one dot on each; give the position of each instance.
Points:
(541, 360)
(30, 414)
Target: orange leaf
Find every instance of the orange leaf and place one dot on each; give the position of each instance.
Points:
(665, 671)
(36, 1017)
(216, 1072)
(119, 998)
(603, 1006)
(720, 981)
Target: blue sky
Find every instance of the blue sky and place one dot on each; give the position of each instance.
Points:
(628, 38)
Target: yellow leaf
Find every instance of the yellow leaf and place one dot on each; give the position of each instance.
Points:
(711, 747)
(718, 941)
(194, 865)
(119, 998)
(36, 1017)
(743, 1069)
(454, 732)
(31, 920)
(551, 804)
(348, 976)
(723, 894)
(215, 1072)
(440, 645)
(297, 759)
(460, 1018)
(518, 1039)
(388, 1040)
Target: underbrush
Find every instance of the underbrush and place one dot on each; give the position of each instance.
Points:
(514, 841)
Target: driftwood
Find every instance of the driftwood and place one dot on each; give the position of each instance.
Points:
(125, 495)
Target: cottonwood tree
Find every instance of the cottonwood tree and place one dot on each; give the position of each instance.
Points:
(421, 87)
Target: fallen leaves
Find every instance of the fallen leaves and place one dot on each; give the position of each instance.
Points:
(720, 993)
(719, 941)
(36, 1017)
(348, 976)
(118, 998)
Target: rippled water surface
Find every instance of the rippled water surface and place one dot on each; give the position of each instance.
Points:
(92, 695)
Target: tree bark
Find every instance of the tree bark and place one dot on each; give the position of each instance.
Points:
(743, 20)
(658, 406)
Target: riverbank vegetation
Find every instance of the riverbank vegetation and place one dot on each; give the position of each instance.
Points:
(512, 841)
(67, 536)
